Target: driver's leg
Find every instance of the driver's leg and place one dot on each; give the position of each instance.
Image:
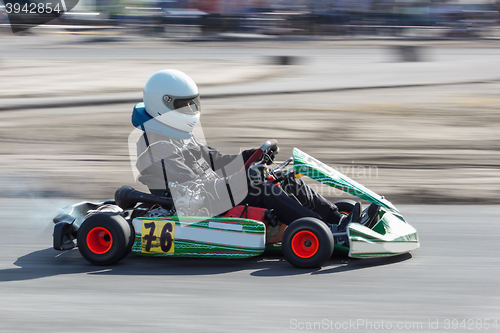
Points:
(311, 199)
(270, 196)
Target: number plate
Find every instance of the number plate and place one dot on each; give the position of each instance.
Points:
(158, 237)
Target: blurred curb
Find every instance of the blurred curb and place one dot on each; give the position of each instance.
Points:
(61, 102)
(124, 98)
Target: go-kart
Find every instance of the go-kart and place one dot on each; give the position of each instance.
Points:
(105, 232)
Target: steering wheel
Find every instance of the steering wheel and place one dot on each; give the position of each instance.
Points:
(264, 149)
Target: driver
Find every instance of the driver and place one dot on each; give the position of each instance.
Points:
(168, 153)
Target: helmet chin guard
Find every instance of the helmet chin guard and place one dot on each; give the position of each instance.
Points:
(179, 121)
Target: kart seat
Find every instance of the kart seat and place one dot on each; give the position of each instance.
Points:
(155, 185)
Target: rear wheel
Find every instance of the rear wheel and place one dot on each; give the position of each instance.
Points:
(104, 239)
(307, 243)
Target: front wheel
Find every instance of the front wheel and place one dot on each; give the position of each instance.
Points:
(345, 206)
(104, 239)
(307, 243)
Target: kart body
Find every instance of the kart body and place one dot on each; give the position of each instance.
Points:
(240, 233)
(209, 237)
(200, 237)
(391, 235)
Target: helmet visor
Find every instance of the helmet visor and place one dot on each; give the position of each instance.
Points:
(187, 105)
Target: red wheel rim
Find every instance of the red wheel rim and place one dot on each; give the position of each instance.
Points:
(99, 240)
(305, 244)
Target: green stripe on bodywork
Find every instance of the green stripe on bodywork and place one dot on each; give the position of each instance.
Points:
(228, 255)
(181, 245)
(319, 171)
(361, 239)
(375, 255)
(340, 248)
(192, 248)
(248, 226)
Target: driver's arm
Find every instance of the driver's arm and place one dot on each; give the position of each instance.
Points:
(162, 159)
(218, 160)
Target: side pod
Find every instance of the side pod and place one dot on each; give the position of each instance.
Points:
(64, 235)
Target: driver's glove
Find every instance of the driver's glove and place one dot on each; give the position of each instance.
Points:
(273, 153)
(278, 176)
(256, 174)
(269, 159)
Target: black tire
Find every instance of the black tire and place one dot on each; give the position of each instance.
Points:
(294, 243)
(104, 239)
(131, 240)
(345, 205)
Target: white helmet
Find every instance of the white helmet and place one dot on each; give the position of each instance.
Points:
(173, 92)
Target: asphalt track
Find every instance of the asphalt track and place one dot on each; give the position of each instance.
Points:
(454, 275)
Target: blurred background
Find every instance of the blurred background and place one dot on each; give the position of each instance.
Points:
(202, 18)
(402, 96)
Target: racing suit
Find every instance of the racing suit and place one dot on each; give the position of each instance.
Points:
(187, 161)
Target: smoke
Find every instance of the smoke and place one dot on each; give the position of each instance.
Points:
(27, 209)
